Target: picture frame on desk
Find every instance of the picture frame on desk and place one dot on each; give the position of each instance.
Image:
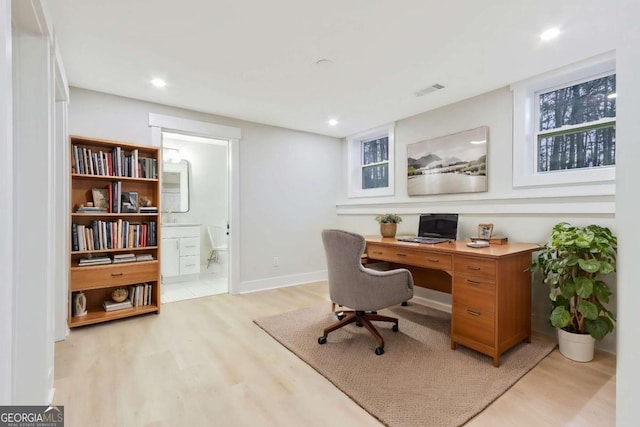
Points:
(485, 231)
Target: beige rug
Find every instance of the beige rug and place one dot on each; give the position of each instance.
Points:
(419, 380)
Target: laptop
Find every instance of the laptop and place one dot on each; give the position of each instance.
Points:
(435, 228)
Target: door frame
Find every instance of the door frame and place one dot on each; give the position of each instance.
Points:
(162, 123)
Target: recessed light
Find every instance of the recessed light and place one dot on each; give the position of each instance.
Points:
(158, 83)
(549, 34)
(332, 122)
(612, 95)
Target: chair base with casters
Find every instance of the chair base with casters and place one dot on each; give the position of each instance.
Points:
(361, 318)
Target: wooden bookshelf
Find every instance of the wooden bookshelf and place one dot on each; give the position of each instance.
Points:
(116, 168)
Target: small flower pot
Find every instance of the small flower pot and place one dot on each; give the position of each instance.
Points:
(388, 229)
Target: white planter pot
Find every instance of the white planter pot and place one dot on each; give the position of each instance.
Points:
(578, 347)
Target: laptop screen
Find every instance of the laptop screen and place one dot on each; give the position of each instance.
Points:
(438, 225)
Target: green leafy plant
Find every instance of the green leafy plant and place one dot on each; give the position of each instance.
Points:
(388, 219)
(573, 262)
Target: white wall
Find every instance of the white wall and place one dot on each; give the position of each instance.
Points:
(7, 288)
(525, 215)
(628, 175)
(288, 183)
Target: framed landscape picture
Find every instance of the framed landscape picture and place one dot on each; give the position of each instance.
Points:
(449, 164)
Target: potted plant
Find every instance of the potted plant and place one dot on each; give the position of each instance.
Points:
(573, 263)
(388, 224)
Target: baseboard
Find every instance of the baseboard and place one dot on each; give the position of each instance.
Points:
(282, 281)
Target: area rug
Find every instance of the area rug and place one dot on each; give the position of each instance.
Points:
(419, 380)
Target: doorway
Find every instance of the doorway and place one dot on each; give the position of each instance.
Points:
(195, 209)
(199, 204)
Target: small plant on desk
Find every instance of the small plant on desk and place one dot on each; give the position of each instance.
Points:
(388, 219)
(388, 224)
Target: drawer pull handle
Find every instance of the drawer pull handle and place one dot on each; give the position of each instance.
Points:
(473, 313)
(401, 254)
(116, 274)
(433, 260)
(473, 267)
(473, 282)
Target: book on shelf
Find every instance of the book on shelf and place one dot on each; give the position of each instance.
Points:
(128, 255)
(148, 209)
(117, 259)
(144, 257)
(110, 305)
(91, 209)
(94, 261)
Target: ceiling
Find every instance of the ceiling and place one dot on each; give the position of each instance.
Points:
(256, 60)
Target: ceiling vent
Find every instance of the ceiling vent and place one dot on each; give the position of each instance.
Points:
(433, 88)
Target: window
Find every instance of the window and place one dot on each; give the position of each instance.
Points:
(564, 126)
(371, 163)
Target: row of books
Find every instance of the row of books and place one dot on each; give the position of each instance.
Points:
(118, 234)
(139, 295)
(117, 259)
(113, 163)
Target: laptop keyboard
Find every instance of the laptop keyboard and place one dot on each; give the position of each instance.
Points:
(423, 239)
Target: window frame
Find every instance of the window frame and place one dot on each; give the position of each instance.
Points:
(525, 125)
(356, 162)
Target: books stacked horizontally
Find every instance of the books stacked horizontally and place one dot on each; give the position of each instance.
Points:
(119, 258)
(144, 257)
(110, 305)
(91, 209)
(94, 261)
(148, 209)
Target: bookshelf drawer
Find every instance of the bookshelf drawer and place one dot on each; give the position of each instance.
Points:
(92, 277)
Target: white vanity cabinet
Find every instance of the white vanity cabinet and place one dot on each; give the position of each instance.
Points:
(180, 249)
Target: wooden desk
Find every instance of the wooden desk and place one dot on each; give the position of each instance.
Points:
(491, 291)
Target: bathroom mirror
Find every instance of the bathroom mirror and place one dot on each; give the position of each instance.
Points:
(175, 186)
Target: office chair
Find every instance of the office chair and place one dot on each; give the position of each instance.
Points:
(365, 290)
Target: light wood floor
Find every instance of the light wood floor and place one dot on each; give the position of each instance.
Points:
(203, 362)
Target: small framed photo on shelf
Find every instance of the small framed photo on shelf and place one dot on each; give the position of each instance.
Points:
(100, 197)
(485, 231)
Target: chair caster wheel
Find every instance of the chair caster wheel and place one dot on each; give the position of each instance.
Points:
(322, 340)
(395, 328)
(404, 304)
(359, 325)
(379, 351)
(340, 316)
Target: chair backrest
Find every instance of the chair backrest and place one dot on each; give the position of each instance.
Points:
(216, 237)
(344, 265)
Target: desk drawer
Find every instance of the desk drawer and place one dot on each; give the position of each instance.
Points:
(473, 293)
(479, 267)
(410, 256)
(474, 324)
(92, 277)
